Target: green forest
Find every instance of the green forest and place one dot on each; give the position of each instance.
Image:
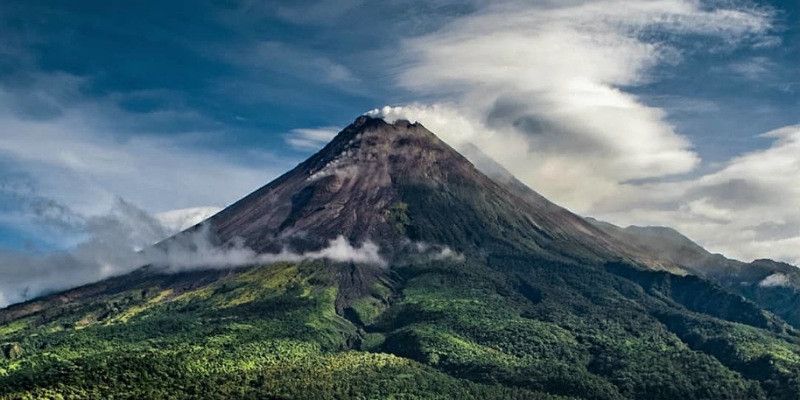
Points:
(501, 328)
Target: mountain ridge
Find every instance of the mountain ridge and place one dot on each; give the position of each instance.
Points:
(751, 280)
(319, 185)
(537, 302)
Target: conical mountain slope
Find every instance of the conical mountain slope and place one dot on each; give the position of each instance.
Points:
(388, 182)
(530, 301)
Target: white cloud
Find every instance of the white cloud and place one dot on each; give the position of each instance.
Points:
(748, 209)
(539, 86)
(109, 248)
(755, 68)
(310, 138)
(184, 218)
(75, 156)
(773, 280)
(542, 88)
(576, 170)
(122, 241)
(197, 249)
(433, 252)
(295, 61)
(341, 250)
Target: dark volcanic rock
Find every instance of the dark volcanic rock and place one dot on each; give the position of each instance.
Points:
(391, 182)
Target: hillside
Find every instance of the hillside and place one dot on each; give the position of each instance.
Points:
(482, 290)
(775, 286)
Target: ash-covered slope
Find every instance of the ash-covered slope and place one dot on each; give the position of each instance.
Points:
(390, 182)
(561, 220)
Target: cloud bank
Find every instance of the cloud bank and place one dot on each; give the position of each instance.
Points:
(86, 152)
(547, 90)
(197, 249)
(122, 241)
(749, 208)
(109, 248)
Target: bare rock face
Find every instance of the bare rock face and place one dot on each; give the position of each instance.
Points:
(346, 189)
(392, 183)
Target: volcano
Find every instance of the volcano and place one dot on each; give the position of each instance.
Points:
(484, 289)
(394, 182)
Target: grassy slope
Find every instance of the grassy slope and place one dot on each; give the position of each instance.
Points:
(452, 329)
(269, 332)
(509, 321)
(550, 331)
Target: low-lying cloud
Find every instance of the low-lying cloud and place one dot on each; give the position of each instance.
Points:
(184, 218)
(198, 249)
(775, 280)
(435, 252)
(122, 241)
(109, 244)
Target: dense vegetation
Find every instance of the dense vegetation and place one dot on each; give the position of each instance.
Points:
(269, 332)
(529, 303)
(501, 328)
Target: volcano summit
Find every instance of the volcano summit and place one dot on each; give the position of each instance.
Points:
(483, 289)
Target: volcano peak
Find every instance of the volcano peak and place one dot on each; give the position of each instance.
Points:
(391, 182)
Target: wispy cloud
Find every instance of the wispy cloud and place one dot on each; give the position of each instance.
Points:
(290, 60)
(310, 138)
(76, 154)
(545, 82)
(545, 89)
(122, 241)
(756, 68)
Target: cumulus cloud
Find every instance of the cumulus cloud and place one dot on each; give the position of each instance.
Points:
(310, 138)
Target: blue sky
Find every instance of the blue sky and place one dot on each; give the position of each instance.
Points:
(750, 90)
(321, 63)
(637, 112)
